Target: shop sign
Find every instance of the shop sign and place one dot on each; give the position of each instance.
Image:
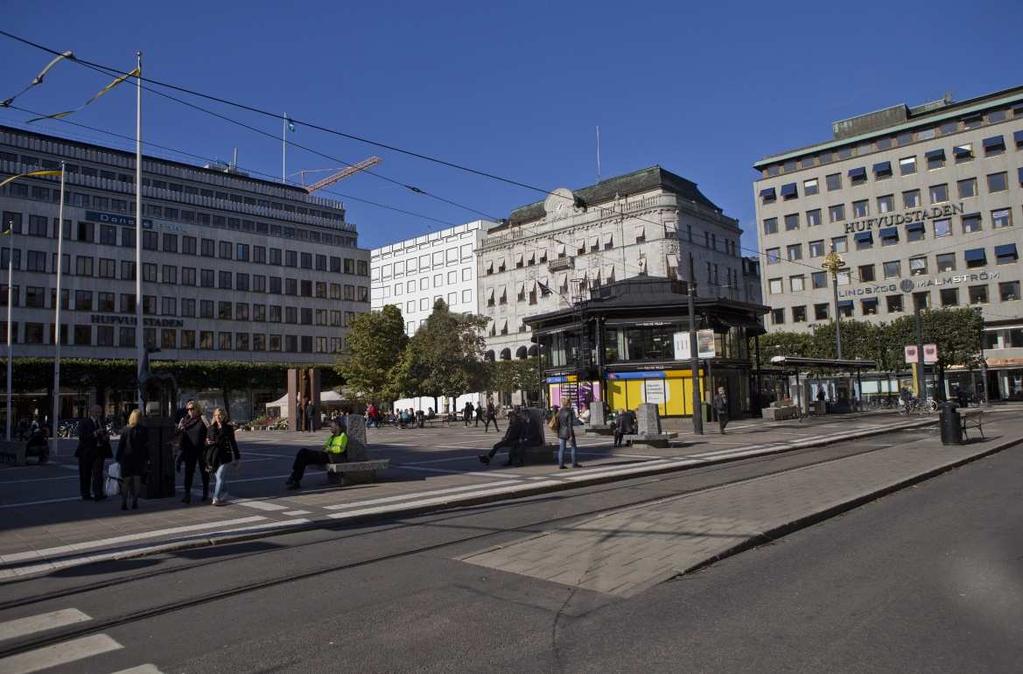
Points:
(910, 285)
(705, 347)
(919, 215)
(149, 322)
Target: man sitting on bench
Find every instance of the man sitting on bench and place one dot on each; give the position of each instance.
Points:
(333, 452)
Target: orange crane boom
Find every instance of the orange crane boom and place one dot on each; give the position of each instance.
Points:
(343, 173)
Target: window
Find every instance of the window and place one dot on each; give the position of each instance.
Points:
(935, 159)
(949, 297)
(1008, 291)
(791, 222)
(789, 191)
(893, 303)
(149, 272)
(83, 300)
(864, 240)
(107, 302)
(843, 278)
(224, 250)
(998, 182)
(845, 308)
(963, 153)
(794, 252)
(813, 218)
(858, 176)
(36, 261)
(866, 273)
(820, 311)
(83, 265)
(224, 341)
(1006, 254)
(939, 193)
(241, 252)
(915, 232)
(967, 188)
(169, 306)
(107, 267)
(833, 181)
(816, 248)
(994, 145)
(188, 245)
(169, 274)
(840, 244)
(911, 199)
(1001, 218)
(188, 276)
(886, 204)
(971, 223)
(799, 314)
(942, 227)
(836, 213)
(819, 279)
(861, 209)
(773, 255)
(978, 294)
(768, 195)
(868, 306)
(922, 300)
(889, 236)
(975, 257)
(810, 187)
(207, 247)
(188, 307)
(797, 283)
(225, 280)
(945, 261)
(771, 226)
(907, 165)
(778, 316)
(917, 266)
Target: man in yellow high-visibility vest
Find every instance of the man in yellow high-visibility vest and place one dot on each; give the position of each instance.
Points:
(334, 451)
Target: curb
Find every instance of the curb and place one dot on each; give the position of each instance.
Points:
(783, 530)
(519, 491)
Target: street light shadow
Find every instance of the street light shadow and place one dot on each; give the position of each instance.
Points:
(230, 549)
(100, 568)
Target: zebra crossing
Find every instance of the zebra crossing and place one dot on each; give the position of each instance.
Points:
(77, 651)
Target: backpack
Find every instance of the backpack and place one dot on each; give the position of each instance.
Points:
(554, 424)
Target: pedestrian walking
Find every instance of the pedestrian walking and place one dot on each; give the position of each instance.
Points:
(221, 452)
(93, 449)
(371, 416)
(299, 414)
(310, 414)
(491, 417)
(191, 444)
(468, 413)
(334, 451)
(625, 424)
(132, 455)
(564, 423)
(721, 407)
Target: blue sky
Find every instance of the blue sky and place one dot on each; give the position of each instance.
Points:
(515, 89)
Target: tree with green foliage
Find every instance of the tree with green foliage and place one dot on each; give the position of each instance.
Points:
(795, 344)
(956, 332)
(376, 343)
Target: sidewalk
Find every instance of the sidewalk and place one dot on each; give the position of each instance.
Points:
(626, 552)
(429, 470)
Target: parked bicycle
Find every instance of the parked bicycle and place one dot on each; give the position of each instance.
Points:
(919, 406)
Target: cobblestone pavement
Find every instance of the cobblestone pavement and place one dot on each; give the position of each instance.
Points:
(624, 552)
(45, 526)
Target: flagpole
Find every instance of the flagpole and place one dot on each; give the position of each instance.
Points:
(284, 150)
(139, 332)
(56, 317)
(10, 331)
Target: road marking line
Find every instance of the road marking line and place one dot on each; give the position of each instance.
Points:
(141, 669)
(58, 654)
(39, 479)
(453, 499)
(13, 629)
(294, 513)
(22, 504)
(128, 538)
(402, 497)
(256, 504)
(424, 469)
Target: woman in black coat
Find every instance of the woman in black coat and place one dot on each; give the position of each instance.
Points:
(221, 451)
(132, 455)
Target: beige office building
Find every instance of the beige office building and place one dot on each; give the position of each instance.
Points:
(924, 204)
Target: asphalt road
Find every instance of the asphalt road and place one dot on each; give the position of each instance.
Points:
(923, 580)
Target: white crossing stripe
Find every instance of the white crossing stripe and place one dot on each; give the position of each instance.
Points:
(293, 513)
(12, 629)
(58, 654)
(141, 669)
(256, 504)
(402, 497)
(453, 499)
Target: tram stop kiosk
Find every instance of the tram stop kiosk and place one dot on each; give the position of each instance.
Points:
(159, 398)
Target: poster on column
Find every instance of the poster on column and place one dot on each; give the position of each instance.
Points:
(654, 391)
(705, 347)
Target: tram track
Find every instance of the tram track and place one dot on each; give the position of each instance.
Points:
(442, 518)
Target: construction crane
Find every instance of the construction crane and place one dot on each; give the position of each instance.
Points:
(339, 174)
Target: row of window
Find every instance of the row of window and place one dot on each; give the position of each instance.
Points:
(886, 236)
(934, 160)
(1008, 291)
(107, 302)
(939, 194)
(412, 265)
(439, 281)
(173, 338)
(973, 258)
(453, 299)
(168, 242)
(901, 139)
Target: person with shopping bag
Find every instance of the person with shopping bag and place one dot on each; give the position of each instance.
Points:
(132, 456)
(92, 451)
(221, 452)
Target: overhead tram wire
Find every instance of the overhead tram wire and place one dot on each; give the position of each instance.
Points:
(268, 176)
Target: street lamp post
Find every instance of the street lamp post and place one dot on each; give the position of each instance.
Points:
(834, 263)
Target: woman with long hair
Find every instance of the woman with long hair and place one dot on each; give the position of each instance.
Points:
(221, 451)
(132, 454)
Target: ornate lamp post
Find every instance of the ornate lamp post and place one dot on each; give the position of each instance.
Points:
(834, 263)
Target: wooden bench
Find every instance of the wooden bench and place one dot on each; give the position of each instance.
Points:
(972, 419)
(355, 472)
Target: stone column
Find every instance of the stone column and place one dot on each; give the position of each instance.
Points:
(291, 405)
(357, 443)
(314, 396)
(648, 421)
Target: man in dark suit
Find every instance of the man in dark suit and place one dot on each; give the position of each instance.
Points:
(93, 449)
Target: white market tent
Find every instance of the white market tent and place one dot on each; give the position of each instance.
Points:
(327, 399)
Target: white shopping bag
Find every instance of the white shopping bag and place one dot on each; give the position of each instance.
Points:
(112, 487)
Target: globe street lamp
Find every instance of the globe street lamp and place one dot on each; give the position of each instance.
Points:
(834, 263)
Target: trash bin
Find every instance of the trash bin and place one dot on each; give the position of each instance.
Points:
(951, 425)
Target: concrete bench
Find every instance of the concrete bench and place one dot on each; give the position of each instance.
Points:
(653, 440)
(355, 472)
(781, 413)
(972, 419)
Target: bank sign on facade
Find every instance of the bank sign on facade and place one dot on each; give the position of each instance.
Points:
(909, 217)
(912, 285)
